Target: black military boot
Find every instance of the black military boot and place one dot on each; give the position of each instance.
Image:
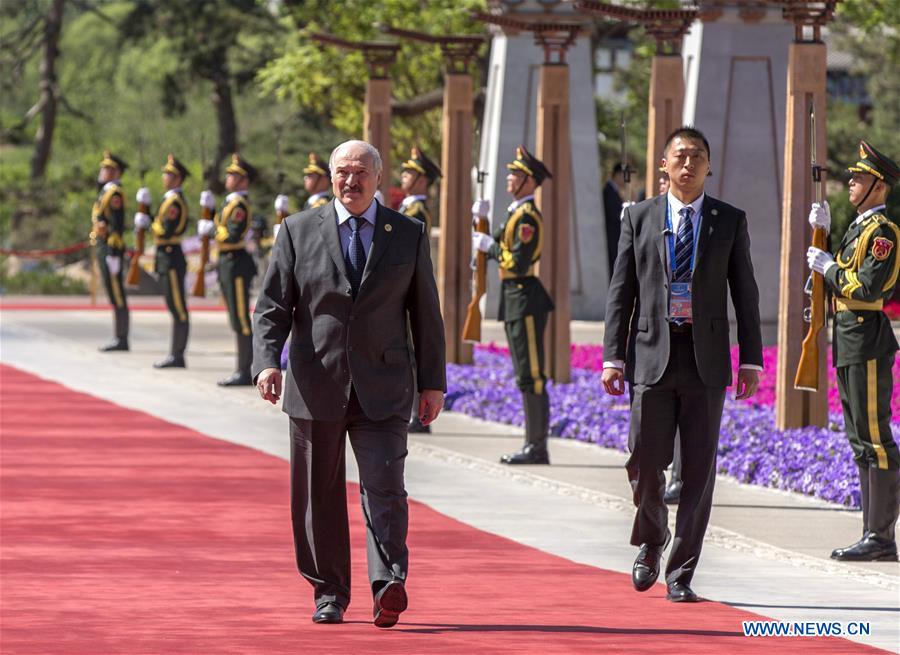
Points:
(179, 343)
(537, 426)
(120, 322)
(878, 543)
(241, 377)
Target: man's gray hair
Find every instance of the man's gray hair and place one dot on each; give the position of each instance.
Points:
(365, 145)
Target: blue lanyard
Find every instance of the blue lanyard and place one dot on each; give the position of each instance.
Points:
(672, 236)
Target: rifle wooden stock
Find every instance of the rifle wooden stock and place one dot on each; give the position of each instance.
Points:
(134, 268)
(279, 217)
(472, 327)
(199, 290)
(807, 377)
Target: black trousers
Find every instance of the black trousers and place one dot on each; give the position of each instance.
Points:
(526, 346)
(866, 391)
(679, 400)
(319, 500)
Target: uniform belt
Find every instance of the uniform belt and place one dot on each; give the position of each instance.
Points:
(174, 241)
(227, 247)
(509, 275)
(850, 305)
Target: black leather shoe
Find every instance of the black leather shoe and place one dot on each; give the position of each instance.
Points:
(646, 567)
(116, 345)
(530, 454)
(389, 603)
(236, 379)
(673, 492)
(679, 592)
(172, 361)
(416, 427)
(871, 548)
(328, 613)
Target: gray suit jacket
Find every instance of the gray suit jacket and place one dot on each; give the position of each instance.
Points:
(637, 328)
(336, 339)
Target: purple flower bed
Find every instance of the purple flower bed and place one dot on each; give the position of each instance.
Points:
(813, 461)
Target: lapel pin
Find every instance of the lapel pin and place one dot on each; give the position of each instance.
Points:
(388, 227)
(715, 212)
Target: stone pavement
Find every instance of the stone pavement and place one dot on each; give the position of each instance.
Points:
(766, 551)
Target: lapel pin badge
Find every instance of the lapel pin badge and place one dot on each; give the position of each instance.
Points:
(388, 227)
(715, 212)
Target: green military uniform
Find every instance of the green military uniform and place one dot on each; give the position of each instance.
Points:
(524, 308)
(317, 166)
(864, 346)
(414, 206)
(108, 227)
(237, 269)
(168, 228)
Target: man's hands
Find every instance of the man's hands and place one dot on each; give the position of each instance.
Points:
(269, 385)
(141, 221)
(207, 199)
(747, 383)
(819, 260)
(431, 402)
(282, 203)
(613, 381)
(143, 196)
(820, 216)
(481, 208)
(205, 227)
(481, 242)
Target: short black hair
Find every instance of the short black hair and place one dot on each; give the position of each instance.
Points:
(618, 168)
(687, 132)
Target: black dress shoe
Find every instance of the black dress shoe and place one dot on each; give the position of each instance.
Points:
(328, 613)
(116, 345)
(673, 492)
(679, 592)
(871, 548)
(389, 603)
(646, 567)
(172, 361)
(530, 454)
(237, 379)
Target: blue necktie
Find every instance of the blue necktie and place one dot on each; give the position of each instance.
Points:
(684, 246)
(356, 255)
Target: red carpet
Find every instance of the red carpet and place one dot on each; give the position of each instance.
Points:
(122, 533)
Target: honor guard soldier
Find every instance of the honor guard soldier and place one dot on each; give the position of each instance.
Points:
(417, 174)
(524, 303)
(317, 182)
(108, 226)
(168, 228)
(860, 276)
(236, 265)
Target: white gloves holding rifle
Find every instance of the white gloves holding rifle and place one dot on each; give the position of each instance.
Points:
(481, 208)
(820, 216)
(819, 260)
(282, 204)
(141, 221)
(207, 199)
(113, 264)
(143, 196)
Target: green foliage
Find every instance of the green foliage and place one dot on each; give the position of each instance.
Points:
(329, 82)
(40, 280)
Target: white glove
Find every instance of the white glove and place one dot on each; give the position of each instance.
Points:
(205, 227)
(143, 196)
(820, 216)
(481, 208)
(114, 264)
(481, 241)
(819, 260)
(207, 199)
(275, 229)
(282, 202)
(141, 221)
(625, 205)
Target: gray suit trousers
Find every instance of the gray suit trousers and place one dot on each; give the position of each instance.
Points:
(319, 500)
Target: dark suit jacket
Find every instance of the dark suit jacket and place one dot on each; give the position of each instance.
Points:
(637, 328)
(336, 339)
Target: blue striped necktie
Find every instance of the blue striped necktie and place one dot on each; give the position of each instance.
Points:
(356, 255)
(684, 246)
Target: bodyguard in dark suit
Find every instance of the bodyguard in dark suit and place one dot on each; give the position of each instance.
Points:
(667, 332)
(345, 280)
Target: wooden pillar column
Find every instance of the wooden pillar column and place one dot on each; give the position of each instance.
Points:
(664, 110)
(805, 85)
(455, 246)
(377, 124)
(553, 147)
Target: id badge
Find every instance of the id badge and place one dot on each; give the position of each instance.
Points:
(680, 304)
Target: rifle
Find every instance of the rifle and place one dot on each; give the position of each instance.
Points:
(472, 327)
(807, 377)
(623, 157)
(134, 268)
(199, 289)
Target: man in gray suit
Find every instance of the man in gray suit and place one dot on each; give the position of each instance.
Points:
(350, 281)
(667, 332)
